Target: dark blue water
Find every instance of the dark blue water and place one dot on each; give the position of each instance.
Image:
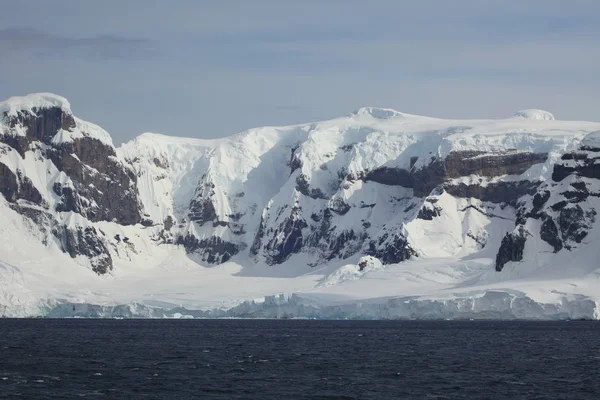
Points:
(257, 359)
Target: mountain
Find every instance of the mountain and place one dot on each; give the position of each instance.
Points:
(424, 217)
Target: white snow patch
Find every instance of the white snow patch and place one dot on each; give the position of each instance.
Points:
(535, 114)
(27, 103)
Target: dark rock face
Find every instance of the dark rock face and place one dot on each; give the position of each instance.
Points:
(213, 250)
(565, 223)
(511, 248)
(583, 163)
(16, 186)
(425, 180)
(303, 186)
(390, 248)
(287, 238)
(500, 192)
(422, 180)
(390, 176)
(258, 238)
(41, 125)
(9, 186)
(331, 243)
(295, 160)
(86, 242)
(539, 200)
(574, 223)
(464, 163)
(429, 210)
(101, 188)
(202, 211)
(549, 234)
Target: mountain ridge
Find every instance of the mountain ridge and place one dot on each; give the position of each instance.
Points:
(375, 183)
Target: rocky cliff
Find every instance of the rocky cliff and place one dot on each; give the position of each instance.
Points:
(376, 182)
(54, 165)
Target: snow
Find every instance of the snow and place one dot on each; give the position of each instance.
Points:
(35, 101)
(535, 114)
(28, 103)
(591, 140)
(452, 277)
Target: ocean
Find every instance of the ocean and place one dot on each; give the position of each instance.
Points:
(298, 359)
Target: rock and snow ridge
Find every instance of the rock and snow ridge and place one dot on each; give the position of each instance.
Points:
(452, 218)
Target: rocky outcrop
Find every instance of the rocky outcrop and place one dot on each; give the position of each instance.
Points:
(98, 186)
(549, 234)
(494, 192)
(562, 208)
(390, 248)
(213, 250)
(39, 124)
(18, 187)
(429, 210)
(286, 239)
(583, 163)
(460, 164)
(313, 189)
(512, 247)
(465, 163)
(102, 189)
(85, 241)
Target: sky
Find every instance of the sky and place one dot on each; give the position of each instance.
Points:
(213, 68)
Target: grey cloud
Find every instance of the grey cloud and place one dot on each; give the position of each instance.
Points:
(43, 44)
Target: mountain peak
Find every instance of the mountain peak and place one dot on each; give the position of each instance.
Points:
(34, 100)
(379, 113)
(534, 114)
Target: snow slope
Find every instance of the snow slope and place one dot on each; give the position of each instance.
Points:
(377, 214)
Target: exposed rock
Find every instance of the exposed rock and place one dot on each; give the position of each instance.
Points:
(426, 179)
(368, 263)
(429, 210)
(105, 189)
(202, 209)
(584, 162)
(549, 234)
(539, 200)
(303, 186)
(390, 248)
(213, 250)
(512, 247)
(295, 160)
(42, 124)
(457, 164)
(339, 206)
(497, 192)
(574, 223)
(85, 241)
(168, 223)
(465, 163)
(390, 176)
(16, 186)
(257, 243)
(287, 238)
(102, 188)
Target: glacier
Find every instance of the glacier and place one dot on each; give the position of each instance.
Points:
(376, 214)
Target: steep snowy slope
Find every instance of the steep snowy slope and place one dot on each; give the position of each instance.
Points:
(462, 205)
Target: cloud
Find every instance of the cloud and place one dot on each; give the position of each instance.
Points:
(46, 45)
(281, 62)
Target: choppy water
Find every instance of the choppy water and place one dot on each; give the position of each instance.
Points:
(263, 359)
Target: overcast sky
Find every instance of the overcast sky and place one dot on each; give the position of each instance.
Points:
(212, 68)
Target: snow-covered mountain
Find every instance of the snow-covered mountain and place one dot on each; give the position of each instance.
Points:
(377, 204)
